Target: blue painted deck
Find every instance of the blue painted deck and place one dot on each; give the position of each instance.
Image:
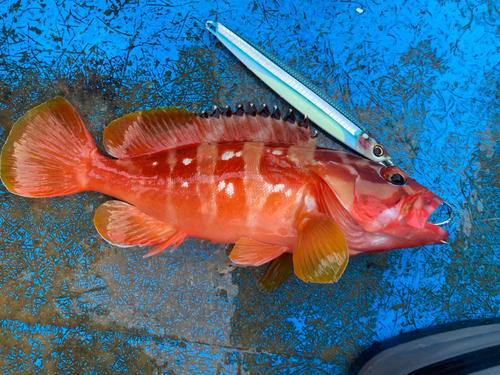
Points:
(422, 76)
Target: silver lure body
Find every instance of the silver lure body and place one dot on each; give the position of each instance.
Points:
(302, 94)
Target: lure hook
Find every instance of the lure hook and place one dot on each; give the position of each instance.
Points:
(450, 210)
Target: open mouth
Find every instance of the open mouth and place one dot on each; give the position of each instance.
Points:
(442, 215)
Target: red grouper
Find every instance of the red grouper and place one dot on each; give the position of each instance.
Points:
(255, 180)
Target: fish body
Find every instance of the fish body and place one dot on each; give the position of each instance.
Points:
(216, 192)
(256, 181)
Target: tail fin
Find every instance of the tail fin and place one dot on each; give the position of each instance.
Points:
(48, 152)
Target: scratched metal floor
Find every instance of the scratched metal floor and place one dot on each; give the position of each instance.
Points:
(422, 76)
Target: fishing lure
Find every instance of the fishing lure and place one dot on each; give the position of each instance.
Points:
(303, 95)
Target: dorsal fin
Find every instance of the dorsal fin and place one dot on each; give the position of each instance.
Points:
(161, 129)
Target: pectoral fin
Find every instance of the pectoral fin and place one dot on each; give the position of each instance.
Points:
(320, 254)
(247, 252)
(276, 273)
(124, 225)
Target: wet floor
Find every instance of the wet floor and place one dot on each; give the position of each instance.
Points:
(422, 77)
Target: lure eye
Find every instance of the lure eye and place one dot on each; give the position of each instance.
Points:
(394, 175)
(378, 150)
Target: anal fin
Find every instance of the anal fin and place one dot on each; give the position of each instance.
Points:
(247, 252)
(124, 225)
(320, 254)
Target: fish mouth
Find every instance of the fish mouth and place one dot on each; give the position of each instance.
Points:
(440, 214)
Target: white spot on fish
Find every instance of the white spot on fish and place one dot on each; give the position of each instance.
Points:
(185, 184)
(230, 189)
(359, 10)
(310, 203)
(227, 155)
(288, 192)
(387, 216)
(277, 152)
(222, 185)
(278, 188)
(187, 161)
(270, 188)
(238, 154)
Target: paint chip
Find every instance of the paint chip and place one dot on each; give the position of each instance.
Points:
(359, 10)
(222, 185)
(187, 161)
(185, 184)
(277, 152)
(155, 163)
(238, 154)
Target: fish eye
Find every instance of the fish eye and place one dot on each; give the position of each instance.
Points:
(394, 175)
(397, 179)
(378, 150)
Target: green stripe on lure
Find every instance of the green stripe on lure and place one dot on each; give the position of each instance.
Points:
(302, 94)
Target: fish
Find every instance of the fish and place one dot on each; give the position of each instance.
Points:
(251, 178)
(302, 94)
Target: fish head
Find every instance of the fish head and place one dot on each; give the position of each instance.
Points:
(383, 201)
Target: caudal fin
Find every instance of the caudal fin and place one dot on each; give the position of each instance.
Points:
(48, 152)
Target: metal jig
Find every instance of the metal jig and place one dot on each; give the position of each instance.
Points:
(302, 94)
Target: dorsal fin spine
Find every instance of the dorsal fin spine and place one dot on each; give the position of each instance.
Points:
(156, 130)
